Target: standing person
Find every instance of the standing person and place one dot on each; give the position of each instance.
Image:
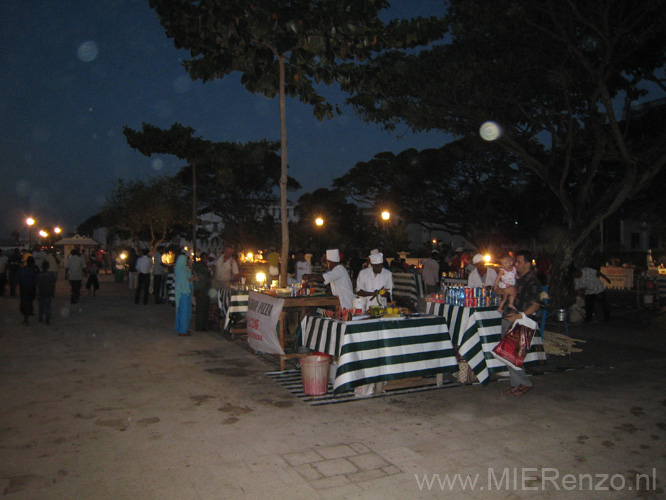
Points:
(273, 260)
(302, 266)
(338, 277)
(3, 272)
(75, 269)
(201, 292)
(481, 276)
(39, 256)
(28, 288)
(528, 290)
(588, 284)
(226, 269)
(14, 264)
(430, 273)
(133, 275)
(375, 282)
(158, 276)
(46, 283)
(54, 264)
(183, 288)
(92, 282)
(144, 265)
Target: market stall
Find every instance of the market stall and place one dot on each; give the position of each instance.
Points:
(409, 285)
(621, 278)
(232, 301)
(267, 320)
(378, 350)
(476, 331)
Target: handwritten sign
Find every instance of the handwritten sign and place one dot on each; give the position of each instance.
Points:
(620, 277)
(263, 313)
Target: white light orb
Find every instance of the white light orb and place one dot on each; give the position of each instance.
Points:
(489, 131)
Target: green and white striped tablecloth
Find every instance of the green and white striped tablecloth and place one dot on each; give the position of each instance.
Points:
(476, 331)
(232, 301)
(408, 285)
(373, 351)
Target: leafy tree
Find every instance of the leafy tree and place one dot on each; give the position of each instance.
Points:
(146, 211)
(556, 76)
(343, 225)
(461, 188)
(230, 179)
(284, 48)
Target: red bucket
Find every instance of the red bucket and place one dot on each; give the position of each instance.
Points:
(314, 372)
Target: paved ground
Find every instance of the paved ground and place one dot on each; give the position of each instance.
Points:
(108, 403)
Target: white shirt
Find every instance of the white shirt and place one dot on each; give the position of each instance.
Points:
(589, 281)
(302, 267)
(143, 264)
(341, 285)
(368, 281)
(431, 272)
(226, 270)
(476, 281)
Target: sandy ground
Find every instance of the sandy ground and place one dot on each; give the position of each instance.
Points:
(108, 403)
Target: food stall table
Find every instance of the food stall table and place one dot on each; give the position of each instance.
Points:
(476, 331)
(232, 301)
(408, 285)
(378, 350)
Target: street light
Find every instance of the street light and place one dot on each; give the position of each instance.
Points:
(319, 222)
(386, 215)
(30, 221)
(43, 233)
(56, 230)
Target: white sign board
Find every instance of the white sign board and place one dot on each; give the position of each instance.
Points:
(263, 314)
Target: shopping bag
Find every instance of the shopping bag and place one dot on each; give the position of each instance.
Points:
(465, 373)
(514, 346)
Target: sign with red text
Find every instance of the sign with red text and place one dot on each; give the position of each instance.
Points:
(263, 314)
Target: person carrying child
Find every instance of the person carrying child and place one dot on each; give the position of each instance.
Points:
(505, 284)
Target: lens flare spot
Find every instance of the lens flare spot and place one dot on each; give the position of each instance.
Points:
(64, 312)
(157, 164)
(489, 131)
(87, 51)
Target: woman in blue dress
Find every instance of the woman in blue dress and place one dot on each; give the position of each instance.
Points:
(183, 289)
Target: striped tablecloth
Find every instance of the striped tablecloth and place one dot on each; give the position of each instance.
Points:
(373, 351)
(231, 301)
(477, 330)
(408, 285)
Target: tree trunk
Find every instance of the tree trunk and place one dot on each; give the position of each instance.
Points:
(194, 209)
(284, 254)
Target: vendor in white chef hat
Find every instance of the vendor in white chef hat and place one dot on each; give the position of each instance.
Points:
(375, 282)
(338, 277)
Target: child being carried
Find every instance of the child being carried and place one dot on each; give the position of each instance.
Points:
(505, 284)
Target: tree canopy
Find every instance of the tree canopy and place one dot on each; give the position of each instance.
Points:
(285, 49)
(557, 77)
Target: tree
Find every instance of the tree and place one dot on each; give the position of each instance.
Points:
(284, 48)
(556, 77)
(149, 211)
(461, 187)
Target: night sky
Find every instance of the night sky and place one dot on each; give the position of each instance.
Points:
(74, 72)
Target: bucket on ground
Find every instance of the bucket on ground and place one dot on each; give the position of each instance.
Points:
(314, 372)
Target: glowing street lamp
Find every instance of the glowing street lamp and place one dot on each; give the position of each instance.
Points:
(319, 222)
(30, 221)
(386, 215)
(43, 233)
(57, 230)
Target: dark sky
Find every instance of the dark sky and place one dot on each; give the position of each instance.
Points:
(74, 72)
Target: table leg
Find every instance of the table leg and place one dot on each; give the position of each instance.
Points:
(440, 379)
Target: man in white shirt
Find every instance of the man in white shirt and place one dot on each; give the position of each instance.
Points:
(144, 265)
(481, 276)
(337, 277)
(430, 273)
(588, 283)
(226, 269)
(302, 266)
(375, 282)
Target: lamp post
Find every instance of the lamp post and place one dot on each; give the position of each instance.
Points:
(30, 221)
(319, 223)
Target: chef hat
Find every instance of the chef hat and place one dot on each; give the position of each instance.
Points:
(459, 250)
(477, 258)
(377, 258)
(333, 255)
(374, 251)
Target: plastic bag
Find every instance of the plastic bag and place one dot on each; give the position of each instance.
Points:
(514, 346)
